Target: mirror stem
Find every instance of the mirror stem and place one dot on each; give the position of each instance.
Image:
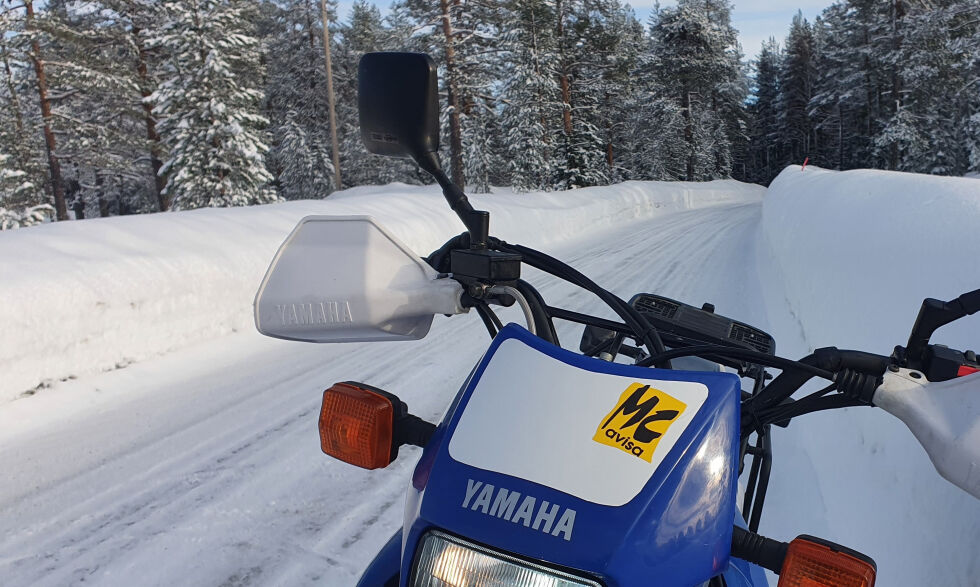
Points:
(477, 222)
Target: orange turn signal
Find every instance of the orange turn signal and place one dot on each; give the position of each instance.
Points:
(357, 425)
(812, 562)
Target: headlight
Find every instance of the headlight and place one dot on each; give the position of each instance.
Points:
(447, 561)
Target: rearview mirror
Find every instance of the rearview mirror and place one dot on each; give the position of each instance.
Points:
(595, 339)
(398, 102)
(347, 279)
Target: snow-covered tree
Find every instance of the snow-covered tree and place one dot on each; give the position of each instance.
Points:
(698, 58)
(296, 101)
(532, 108)
(306, 169)
(765, 153)
(97, 76)
(604, 42)
(797, 81)
(208, 104)
(22, 173)
(364, 31)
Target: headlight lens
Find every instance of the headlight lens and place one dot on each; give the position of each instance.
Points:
(447, 561)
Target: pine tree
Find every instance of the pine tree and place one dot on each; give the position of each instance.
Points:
(696, 54)
(93, 75)
(765, 151)
(968, 47)
(928, 130)
(25, 42)
(796, 88)
(208, 105)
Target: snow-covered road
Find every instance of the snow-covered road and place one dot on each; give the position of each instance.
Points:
(206, 467)
(196, 461)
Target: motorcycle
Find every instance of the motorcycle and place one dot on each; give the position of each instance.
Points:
(614, 465)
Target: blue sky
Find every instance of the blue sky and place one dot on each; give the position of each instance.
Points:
(756, 20)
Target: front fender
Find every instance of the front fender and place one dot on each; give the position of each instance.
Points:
(383, 570)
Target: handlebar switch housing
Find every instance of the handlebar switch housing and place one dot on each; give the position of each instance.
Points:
(485, 266)
(939, 362)
(945, 363)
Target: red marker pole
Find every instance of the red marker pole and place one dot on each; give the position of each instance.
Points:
(805, 161)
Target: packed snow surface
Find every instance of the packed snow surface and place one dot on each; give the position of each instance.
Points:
(162, 441)
(85, 297)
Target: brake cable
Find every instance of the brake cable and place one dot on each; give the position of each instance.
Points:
(641, 328)
(738, 353)
(521, 301)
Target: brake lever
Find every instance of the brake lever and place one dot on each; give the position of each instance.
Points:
(934, 314)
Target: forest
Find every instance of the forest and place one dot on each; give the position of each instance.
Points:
(113, 107)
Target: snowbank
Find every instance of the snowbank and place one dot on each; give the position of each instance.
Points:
(89, 296)
(857, 251)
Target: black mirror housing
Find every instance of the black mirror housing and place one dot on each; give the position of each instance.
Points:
(595, 339)
(398, 103)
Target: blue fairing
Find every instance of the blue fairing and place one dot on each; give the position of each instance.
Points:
(383, 570)
(676, 531)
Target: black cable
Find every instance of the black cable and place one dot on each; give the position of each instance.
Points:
(739, 353)
(636, 321)
(819, 393)
(828, 359)
(794, 410)
(490, 319)
(542, 320)
(803, 401)
(764, 472)
(753, 480)
(641, 328)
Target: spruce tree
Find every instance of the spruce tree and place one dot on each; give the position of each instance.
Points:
(296, 102)
(532, 105)
(765, 151)
(796, 88)
(208, 103)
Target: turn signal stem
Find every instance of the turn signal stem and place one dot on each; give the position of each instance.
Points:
(806, 561)
(413, 430)
(757, 549)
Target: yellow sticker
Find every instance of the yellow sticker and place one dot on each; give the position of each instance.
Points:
(640, 419)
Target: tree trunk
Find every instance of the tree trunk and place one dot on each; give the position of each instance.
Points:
(688, 133)
(840, 136)
(455, 129)
(57, 183)
(152, 136)
(897, 15)
(566, 91)
(312, 40)
(100, 196)
(335, 149)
